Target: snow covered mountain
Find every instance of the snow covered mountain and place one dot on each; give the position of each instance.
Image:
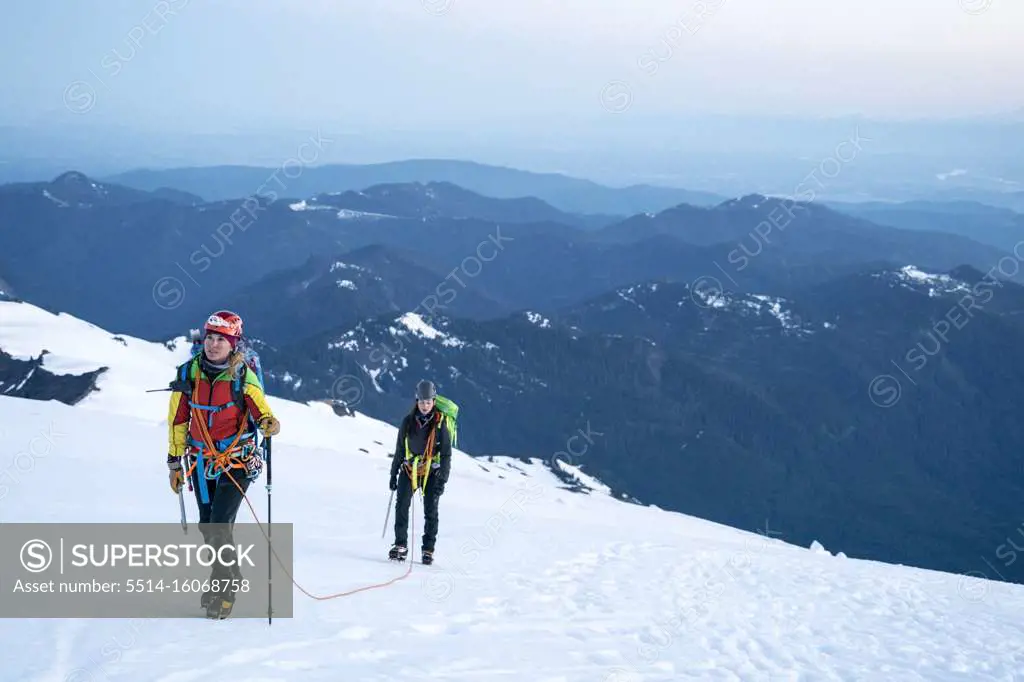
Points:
(534, 580)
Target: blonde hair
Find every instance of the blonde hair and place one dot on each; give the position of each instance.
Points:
(235, 362)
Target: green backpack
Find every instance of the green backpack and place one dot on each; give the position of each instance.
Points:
(451, 416)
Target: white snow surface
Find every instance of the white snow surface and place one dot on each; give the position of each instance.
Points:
(531, 582)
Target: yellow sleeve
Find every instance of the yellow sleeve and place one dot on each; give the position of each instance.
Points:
(177, 423)
(256, 400)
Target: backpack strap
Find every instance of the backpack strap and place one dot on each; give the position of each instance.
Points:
(238, 395)
(181, 383)
(237, 392)
(419, 468)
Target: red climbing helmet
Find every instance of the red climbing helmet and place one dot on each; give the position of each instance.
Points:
(224, 322)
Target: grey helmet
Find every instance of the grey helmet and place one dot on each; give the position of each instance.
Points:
(425, 390)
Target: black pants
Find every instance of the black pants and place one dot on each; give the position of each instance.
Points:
(430, 501)
(217, 517)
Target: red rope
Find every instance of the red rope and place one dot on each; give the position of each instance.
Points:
(329, 596)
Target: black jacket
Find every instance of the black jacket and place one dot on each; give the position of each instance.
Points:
(417, 427)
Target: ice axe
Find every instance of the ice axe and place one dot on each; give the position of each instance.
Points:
(181, 497)
(388, 516)
(181, 501)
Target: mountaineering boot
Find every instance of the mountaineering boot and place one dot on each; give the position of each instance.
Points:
(428, 557)
(220, 601)
(398, 553)
(220, 605)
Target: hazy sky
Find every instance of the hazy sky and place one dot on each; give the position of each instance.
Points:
(212, 64)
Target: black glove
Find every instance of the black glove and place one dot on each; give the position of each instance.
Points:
(439, 486)
(393, 483)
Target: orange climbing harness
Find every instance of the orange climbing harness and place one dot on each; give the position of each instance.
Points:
(218, 460)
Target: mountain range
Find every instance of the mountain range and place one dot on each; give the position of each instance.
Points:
(993, 225)
(573, 195)
(163, 254)
(754, 358)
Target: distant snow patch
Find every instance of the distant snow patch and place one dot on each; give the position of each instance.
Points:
(915, 273)
(537, 319)
(937, 283)
(347, 344)
(628, 294)
(339, 265)
(415, 324)
(373, 374)
(774, 305)
(712, 299)
(349, 214)
(59, 202)
(303, 206)
(347, 341)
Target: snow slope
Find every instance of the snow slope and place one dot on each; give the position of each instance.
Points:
(532, 582)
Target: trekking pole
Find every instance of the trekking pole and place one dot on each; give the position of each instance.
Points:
(270, 563)
(388, 516)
